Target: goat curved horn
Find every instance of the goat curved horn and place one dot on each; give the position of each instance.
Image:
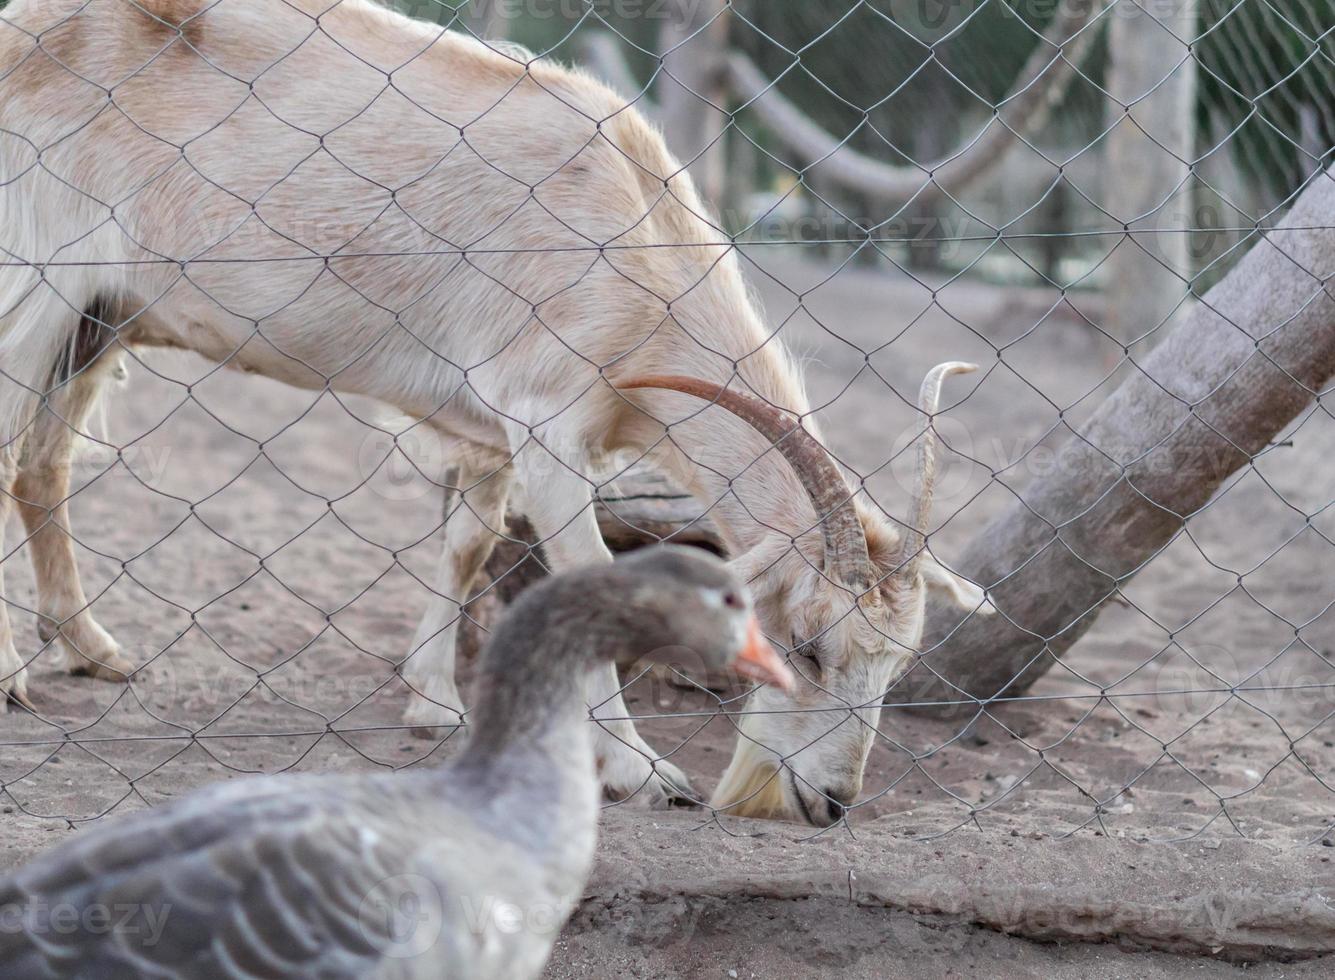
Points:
(846, 558)
(929, 398)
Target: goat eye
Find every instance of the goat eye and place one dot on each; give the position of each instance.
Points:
(806, 655)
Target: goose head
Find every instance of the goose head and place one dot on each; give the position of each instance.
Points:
(666, 604)
(674, 605)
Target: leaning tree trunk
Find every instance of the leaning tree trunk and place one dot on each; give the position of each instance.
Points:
(1247, 359)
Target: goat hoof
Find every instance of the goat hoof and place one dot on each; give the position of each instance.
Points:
(432, 721)
(436, 733)
(115, 669)
(17, 695)
(13, 698)
(429, 716)
(676, 787)
(662, 787)
(13, 681)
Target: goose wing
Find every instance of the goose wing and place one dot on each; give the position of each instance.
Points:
(268, 878)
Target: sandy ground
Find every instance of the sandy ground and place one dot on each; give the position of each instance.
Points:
(247, 546)
(878, 904)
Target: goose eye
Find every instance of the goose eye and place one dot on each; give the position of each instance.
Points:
(732, 600)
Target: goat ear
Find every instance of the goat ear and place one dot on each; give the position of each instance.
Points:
(959, 590)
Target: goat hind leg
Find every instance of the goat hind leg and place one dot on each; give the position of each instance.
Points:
(13, 671)
(42, 491)
(37, 337)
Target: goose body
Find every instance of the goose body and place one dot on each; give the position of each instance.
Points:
(465, 871)
(298, 877)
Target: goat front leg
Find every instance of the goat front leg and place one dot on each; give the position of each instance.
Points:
(560, 507)
(472, 528)
(13, 671)
(42, 492)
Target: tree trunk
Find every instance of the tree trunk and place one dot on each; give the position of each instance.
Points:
(601, 52)
(487, 19)
(1236, 370)
(692, 95)
(1152, 77)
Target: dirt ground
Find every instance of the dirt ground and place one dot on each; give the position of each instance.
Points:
(879, 904)
(246, 545)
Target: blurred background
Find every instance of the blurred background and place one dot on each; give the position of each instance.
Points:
(827, 122)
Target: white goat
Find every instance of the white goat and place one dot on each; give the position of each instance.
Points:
(336, 196)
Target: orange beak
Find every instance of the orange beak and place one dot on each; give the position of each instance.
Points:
(759, 662)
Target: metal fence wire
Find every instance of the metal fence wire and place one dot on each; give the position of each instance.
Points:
(313, 313)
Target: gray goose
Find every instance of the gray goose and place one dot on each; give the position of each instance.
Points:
(463, 871)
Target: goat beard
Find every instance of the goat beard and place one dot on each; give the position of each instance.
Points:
(752, 786)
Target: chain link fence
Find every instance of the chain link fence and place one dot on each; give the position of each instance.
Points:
(334, 323)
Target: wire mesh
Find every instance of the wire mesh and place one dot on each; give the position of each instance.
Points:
(439, 251)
